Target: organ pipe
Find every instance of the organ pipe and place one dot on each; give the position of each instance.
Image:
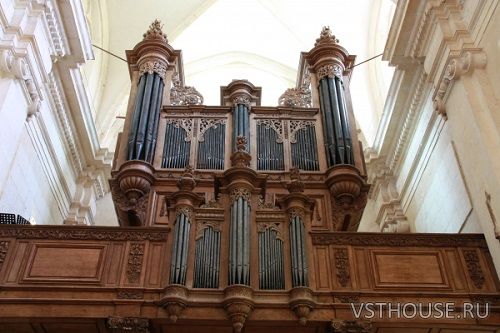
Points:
(269, 151)
(144, 125)
(207, 258)
(305, 151)
(180, 248)
(298, 253)
(241, 124)
(271, 274)
(211, 150)
(338, 142)
(176, 150)
(239, 251)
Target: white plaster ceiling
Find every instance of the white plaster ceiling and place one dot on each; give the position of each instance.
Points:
(221, 40)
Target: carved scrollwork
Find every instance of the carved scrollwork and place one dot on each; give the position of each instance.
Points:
(347, 326)
(342, 266)
(297, 125)
(298, 97)
(276, 226)
(184, 95)
(134, 262)
(296, 212)
(329, 71)
(155, 31)
(186, 124)
(276, 125)
(326, 36)
(242, 99)
(186, 211)
(239, 193)
(130, 294)
(207, 123)
(474, 267)
(202, 225)
(152, 66)
(128, 324)
(4, 247)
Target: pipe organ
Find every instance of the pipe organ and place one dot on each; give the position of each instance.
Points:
(240, 186)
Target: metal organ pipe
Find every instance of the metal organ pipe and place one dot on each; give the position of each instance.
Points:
(298, 253)
(180, 248)
(206, 271)
(145, 119)
(241, 123)
(239, 254)
(335, 119)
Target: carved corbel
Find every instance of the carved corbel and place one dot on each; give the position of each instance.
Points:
(174, 301)
(238, 304)
(456, 68)
(19, 68)
(241, 157)
(301, 302)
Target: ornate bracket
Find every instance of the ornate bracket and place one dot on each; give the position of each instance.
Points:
(151, 66)
(184, 95)
(276, 125)
(238, 304)
(206, 124)
(186, 124)
(174, 301)
(297, 125)
(330, 71)
(242, 99)
(239, 193)
(301, 302)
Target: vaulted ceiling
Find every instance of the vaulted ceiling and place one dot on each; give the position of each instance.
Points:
(221, 40)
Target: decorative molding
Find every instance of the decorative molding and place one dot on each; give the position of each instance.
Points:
(474, 267)
(276, 125)
(130, 294)
(56, 29)
(402, 141)
(186, 124)
(347, 299)
(297, 125)
(134, 262)
(82, 233)
(342, 267)
(298, 97)
(152, 66)
(351, 326)
(183, 95)
(128, 324)
(4, 247)
(207, 123)
(383, 239)
(262, 204)
(329, 71)
(240, 193)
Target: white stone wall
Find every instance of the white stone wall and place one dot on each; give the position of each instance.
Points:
(52, 168)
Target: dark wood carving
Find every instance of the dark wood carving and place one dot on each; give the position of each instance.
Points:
(342, 266)
(128, 324)
(4, 247)
(134, 264)
(474, 268)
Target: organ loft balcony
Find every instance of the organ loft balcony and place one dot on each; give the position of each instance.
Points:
(239, 217)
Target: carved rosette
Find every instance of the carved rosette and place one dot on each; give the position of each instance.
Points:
(183, 95)
(174, 301)
(301, 302)
(238, 303)
(128, 324)
(348, 326)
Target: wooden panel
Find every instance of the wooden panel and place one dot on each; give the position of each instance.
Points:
(322, 267)
(403, 329)
(455, 272)
(76, 263)
(409, 269)
(19, 255)
(320, 218)
(156, 260)
(71, 328)
(361, 269)
(115, 263)
(16, 328)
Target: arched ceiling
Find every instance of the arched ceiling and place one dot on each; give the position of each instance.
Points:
(221, 40)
